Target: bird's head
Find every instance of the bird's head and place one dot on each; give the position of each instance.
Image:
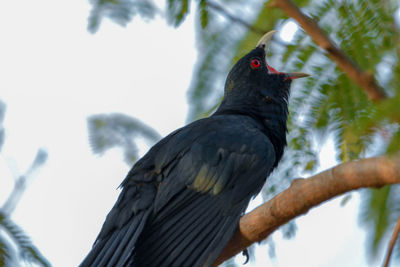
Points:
(252, 74)
(252, 79)
(255, 89)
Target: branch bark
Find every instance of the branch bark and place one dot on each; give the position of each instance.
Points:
(392, 243)
(364, 79)
(304, 194)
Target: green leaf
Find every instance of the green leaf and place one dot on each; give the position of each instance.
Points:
(310, 166)
(177, 11)
(203, 13)
(345, 200)
(4, 252)
(394, 145)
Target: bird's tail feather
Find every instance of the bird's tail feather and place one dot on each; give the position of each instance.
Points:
(115, 250)
(198, 234)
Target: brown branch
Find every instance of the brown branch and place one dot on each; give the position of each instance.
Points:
(304, 194)
(364, 79)
(392, 243)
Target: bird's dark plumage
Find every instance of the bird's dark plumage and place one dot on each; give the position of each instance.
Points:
(181, 203)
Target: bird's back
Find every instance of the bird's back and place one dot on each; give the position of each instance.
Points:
(201, 199)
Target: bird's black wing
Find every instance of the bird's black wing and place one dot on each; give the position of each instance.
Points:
(204, 192)
(182, 202)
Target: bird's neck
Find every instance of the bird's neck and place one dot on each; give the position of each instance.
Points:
(271, 120)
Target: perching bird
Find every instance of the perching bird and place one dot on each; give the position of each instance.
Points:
(181, 203)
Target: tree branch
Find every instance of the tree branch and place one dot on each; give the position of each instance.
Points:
(364, 79)
(304, 194)
(392, 243)
(233, 18)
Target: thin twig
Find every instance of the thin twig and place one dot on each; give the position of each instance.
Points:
(392, 243)
(21, 183)
(304, 194)
(364, 79)
(233, 18)
(223, 12)
(15, 196)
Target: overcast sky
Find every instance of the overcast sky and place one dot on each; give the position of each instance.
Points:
(54, 74)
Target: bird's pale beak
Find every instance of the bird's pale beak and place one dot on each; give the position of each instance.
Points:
(264, 43)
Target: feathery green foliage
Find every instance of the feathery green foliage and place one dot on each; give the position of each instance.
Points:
(15, 245)
(381, 210)
(27, 250)
(4, 252)
(120, 11)
(202, 92)
(177, 11)
(117, 130)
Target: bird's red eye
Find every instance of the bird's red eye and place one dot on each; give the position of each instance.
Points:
(255, 63)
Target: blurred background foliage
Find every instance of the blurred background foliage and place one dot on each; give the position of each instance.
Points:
(15, 245)
(326, 105)
(119, 130)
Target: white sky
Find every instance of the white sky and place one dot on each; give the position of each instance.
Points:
(54, 74)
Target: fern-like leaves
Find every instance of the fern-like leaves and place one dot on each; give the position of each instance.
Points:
(27, 251)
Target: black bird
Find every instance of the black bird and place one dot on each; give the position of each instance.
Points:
(181, 203)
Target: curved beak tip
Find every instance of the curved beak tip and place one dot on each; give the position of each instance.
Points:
(265, 41)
